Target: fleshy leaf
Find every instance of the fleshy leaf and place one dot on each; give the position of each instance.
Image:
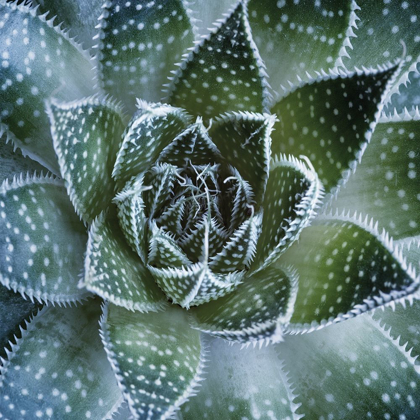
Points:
(58, 369)
(139, 42)
(406, 94)
(38, 61)
(244, 141)
(330, 120)
(297, 37)
(87, 137)
(170, 220)
(148, 133)
(352, 370)
(292, 195)
(115, 272)
(345, 268)
(14, 311)
(242, 384)
(256, 311)
(42, 240)
(225, 68)
(385, 184)
(380, 27)
(12, 162)
(157, 358)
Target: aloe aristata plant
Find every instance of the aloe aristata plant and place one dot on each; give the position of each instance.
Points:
(185, 207)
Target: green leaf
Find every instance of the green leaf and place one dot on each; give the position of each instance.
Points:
(406, 94)
(38, 61)
(42, 240)
(115, 272)
(296, 37)
(151, 129)
(170, 220)
(12, 162)
(224, 67)
(138, 43)
(256, 311)
(331, 120)
(58, 369)
(192, 145)
(14, 311)
(292, 195)
(245, 143)
(157, 358)
(345, 268)
(385, 184)
(87, 137)
(380, 29)
(352, 370)
(243, 384)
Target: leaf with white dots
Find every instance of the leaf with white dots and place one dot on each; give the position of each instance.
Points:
(330, 120)
(115, 272)
(256, 311)
(224, 72)
(386, 183)
(292, 196)
(42, 240)
(244, 141)
(381, 26)
(14, 311)
(59, 369)
(295, 37)
(157, 358)
(243, 384)
(151, 129)
(139, 42)
(345, 268)
(87, 137)
(353, 370)
(38, 61)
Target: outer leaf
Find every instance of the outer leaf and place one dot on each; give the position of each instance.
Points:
(256, 311)
(115, 272)
(331, 120)
(87, 137)
(139, 42)
(292, 195)
(345, 268)
(244, 141)
(148, 133)
(352, 370)
(14, 310)
(225, 68)
(38, 60)
(42, 240)
(385, 184)
(243, 383)
(59, 368)
(158, 360)
(296, 37)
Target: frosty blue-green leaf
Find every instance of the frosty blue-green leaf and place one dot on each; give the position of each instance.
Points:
(385, 184)
(38, 61)
(42, 240)
(256, 311)
(157, 358)
(58, 369)
(139, 44)
(330, 120)
(243, 383)
(346, 267)
(354, 369)
(115, 272)
(87, 137)
(224, 72)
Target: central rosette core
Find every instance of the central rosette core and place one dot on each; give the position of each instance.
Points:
(192, 219)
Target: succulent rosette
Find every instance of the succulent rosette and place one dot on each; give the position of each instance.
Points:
(189, 189)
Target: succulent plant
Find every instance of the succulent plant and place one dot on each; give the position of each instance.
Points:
(231, 205)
